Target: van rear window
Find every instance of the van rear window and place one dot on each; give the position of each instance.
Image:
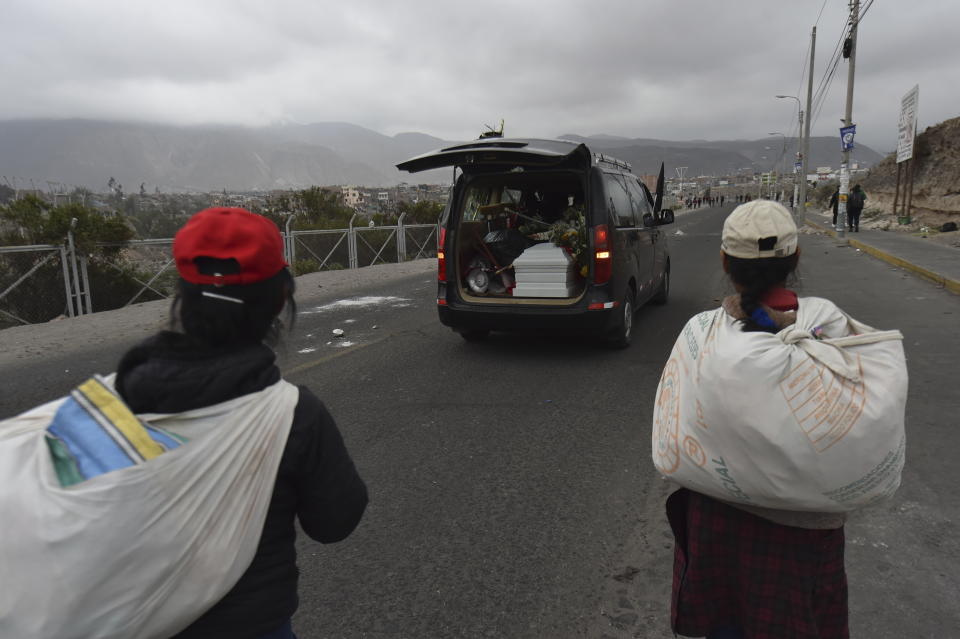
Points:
(529, 197)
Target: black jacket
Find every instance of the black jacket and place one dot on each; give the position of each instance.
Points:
(316, 480)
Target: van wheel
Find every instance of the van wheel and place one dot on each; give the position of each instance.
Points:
(623, 333)
(474, 335)
(663, 293)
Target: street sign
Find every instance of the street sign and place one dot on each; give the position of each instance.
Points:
(846, 136)
(907, 125)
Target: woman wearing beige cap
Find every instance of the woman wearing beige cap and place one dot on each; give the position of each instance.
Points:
(743, 571)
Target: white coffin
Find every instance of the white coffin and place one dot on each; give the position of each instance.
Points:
(545, 270)
(543, 290)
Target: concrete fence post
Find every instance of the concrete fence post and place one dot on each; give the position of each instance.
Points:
(352, 244)
(401, 240)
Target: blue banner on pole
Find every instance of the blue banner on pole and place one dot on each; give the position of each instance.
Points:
(846, 136)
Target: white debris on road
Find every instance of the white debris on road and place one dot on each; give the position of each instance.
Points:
(338, 332)
(360, 302)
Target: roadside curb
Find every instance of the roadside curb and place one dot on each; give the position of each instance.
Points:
(950, 284)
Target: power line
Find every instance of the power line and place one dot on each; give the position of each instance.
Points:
(825, 85)
(821, 13)
(826, 82)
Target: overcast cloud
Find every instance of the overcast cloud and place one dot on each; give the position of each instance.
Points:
(667, 69)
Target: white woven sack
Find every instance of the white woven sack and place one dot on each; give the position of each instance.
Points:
(143, 551)
(785, 421)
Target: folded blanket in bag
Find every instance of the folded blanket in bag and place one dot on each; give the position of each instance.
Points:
(159, 518)
(93, 432)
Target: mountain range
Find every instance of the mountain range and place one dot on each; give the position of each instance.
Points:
(88, 153)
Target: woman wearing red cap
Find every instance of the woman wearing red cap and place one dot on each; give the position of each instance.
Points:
(234, 286)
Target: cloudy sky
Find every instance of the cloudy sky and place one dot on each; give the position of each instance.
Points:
(668, 69)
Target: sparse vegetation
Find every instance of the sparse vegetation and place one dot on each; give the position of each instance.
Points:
(98, 236)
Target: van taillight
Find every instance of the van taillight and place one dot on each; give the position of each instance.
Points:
(441, 256)
(602, 264)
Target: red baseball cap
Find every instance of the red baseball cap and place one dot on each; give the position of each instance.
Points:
(227, 233)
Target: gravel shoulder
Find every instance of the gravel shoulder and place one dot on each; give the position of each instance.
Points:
(63, 336)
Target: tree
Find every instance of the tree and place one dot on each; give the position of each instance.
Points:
(35, 221)
(98, 236)
(422, 212)
(315, 208)
(162, 216)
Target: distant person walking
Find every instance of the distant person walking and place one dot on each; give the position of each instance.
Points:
(834, 204)
(855, 202)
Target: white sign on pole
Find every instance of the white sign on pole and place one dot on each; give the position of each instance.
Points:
(907, 126)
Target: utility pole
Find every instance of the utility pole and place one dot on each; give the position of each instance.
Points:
(848, 120)
(804, 170)
(680, 170)
(797, 177)
(797, 206)
(783, 153)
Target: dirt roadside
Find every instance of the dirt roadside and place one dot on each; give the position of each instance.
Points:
(141, 320)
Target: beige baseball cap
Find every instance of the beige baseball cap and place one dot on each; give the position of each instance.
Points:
(761, 228)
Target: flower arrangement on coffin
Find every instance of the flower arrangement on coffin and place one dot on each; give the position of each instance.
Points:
(569, 233)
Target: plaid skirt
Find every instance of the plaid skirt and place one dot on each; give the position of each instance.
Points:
(732, 568)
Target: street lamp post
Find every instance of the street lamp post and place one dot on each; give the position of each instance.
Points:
(800, 198)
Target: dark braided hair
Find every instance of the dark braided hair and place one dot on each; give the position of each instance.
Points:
(252, 318)
(755, 277)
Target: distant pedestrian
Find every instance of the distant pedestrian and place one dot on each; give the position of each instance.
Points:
(835, 204)
(855, 202)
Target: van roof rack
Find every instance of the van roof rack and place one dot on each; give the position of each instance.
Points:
(606, 159)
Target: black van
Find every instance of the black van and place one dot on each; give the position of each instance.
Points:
(545, 236)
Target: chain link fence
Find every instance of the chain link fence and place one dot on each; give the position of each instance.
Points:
(33, 284)
(43, 282)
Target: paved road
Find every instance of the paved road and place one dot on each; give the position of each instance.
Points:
(511, 489)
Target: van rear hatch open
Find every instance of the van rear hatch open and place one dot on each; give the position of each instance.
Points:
(519, 237)
(503, 152)
(518, 224)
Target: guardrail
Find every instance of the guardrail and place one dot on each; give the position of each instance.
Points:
(41, 282)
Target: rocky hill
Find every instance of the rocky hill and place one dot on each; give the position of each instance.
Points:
(936, 188)
(205, 158)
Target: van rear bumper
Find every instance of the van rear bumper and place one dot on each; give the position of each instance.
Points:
(515, 318)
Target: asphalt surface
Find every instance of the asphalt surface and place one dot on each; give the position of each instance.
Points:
(936, 262)
(512, 493)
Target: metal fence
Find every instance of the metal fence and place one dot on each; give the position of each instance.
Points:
(34, 283)
(42, 282)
